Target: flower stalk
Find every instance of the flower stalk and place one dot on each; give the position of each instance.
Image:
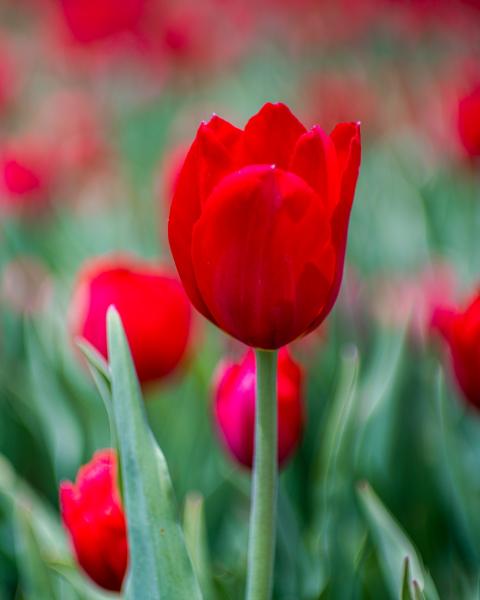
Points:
(261, 545)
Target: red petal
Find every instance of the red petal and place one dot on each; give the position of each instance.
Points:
(262, 256)
(315, 160)
(207, 161)
(346, 138)
(270, 137)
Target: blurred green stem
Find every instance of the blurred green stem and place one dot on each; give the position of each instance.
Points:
(261, 545)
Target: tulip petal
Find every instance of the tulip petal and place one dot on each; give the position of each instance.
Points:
(346, 138)
(207, 161)
(315, 160)
(262, 256)
(270, 136)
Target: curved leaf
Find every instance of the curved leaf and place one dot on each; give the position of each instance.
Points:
(160, 567)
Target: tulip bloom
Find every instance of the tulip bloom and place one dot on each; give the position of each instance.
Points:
(258, 223)
(93, 20)
(469, 122)
(461, 331)
(234, 406)
(25, 174)
(153, 306)
(92, 514)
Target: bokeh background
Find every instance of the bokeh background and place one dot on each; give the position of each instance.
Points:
(97, 108)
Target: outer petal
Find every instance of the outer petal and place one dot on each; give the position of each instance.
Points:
(270, 137)
(208, 159)
(315, 160)
(346, 138)
(262, 256)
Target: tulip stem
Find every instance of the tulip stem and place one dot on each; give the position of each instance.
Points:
(261, 545)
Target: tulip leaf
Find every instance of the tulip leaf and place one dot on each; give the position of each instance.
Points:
(400, 563)
(406, 593)
(37, 580)
(197, 544)
(94, 358)
(56, 419)
(160, 566)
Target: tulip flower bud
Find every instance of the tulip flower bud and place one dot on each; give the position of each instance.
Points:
(154, 308)
(461, 331)
(92, 514)
(234, 406)
(258, 223)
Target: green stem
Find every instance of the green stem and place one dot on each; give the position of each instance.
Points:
(261, 545)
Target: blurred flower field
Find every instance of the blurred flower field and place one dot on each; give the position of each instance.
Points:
(378, 406)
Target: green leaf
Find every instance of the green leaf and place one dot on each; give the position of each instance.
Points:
(100, 372)
(406, 591)
(160, 567)
(94, 358)
(56, 418)
(397, 555)
(36, 578)
(341, 414)
(197, 544)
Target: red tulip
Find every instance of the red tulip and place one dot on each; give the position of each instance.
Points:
(93, 20)
(234, 406)
(92, 513)
(461, 331)
(258, 224)
(153, 306)
(469, 122)
(25, 174)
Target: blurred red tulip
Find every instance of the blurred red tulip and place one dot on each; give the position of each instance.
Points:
(25, 174)
(259, 220)
(234, 406)
(93, 20)
(153, 306)
(469, 122)
(460, 329)
(92, 513)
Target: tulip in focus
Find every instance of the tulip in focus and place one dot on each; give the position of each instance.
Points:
(469, 122)
(234, 406)
(155, 312)
(460, 329)
(92, 514)
(258, 224)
